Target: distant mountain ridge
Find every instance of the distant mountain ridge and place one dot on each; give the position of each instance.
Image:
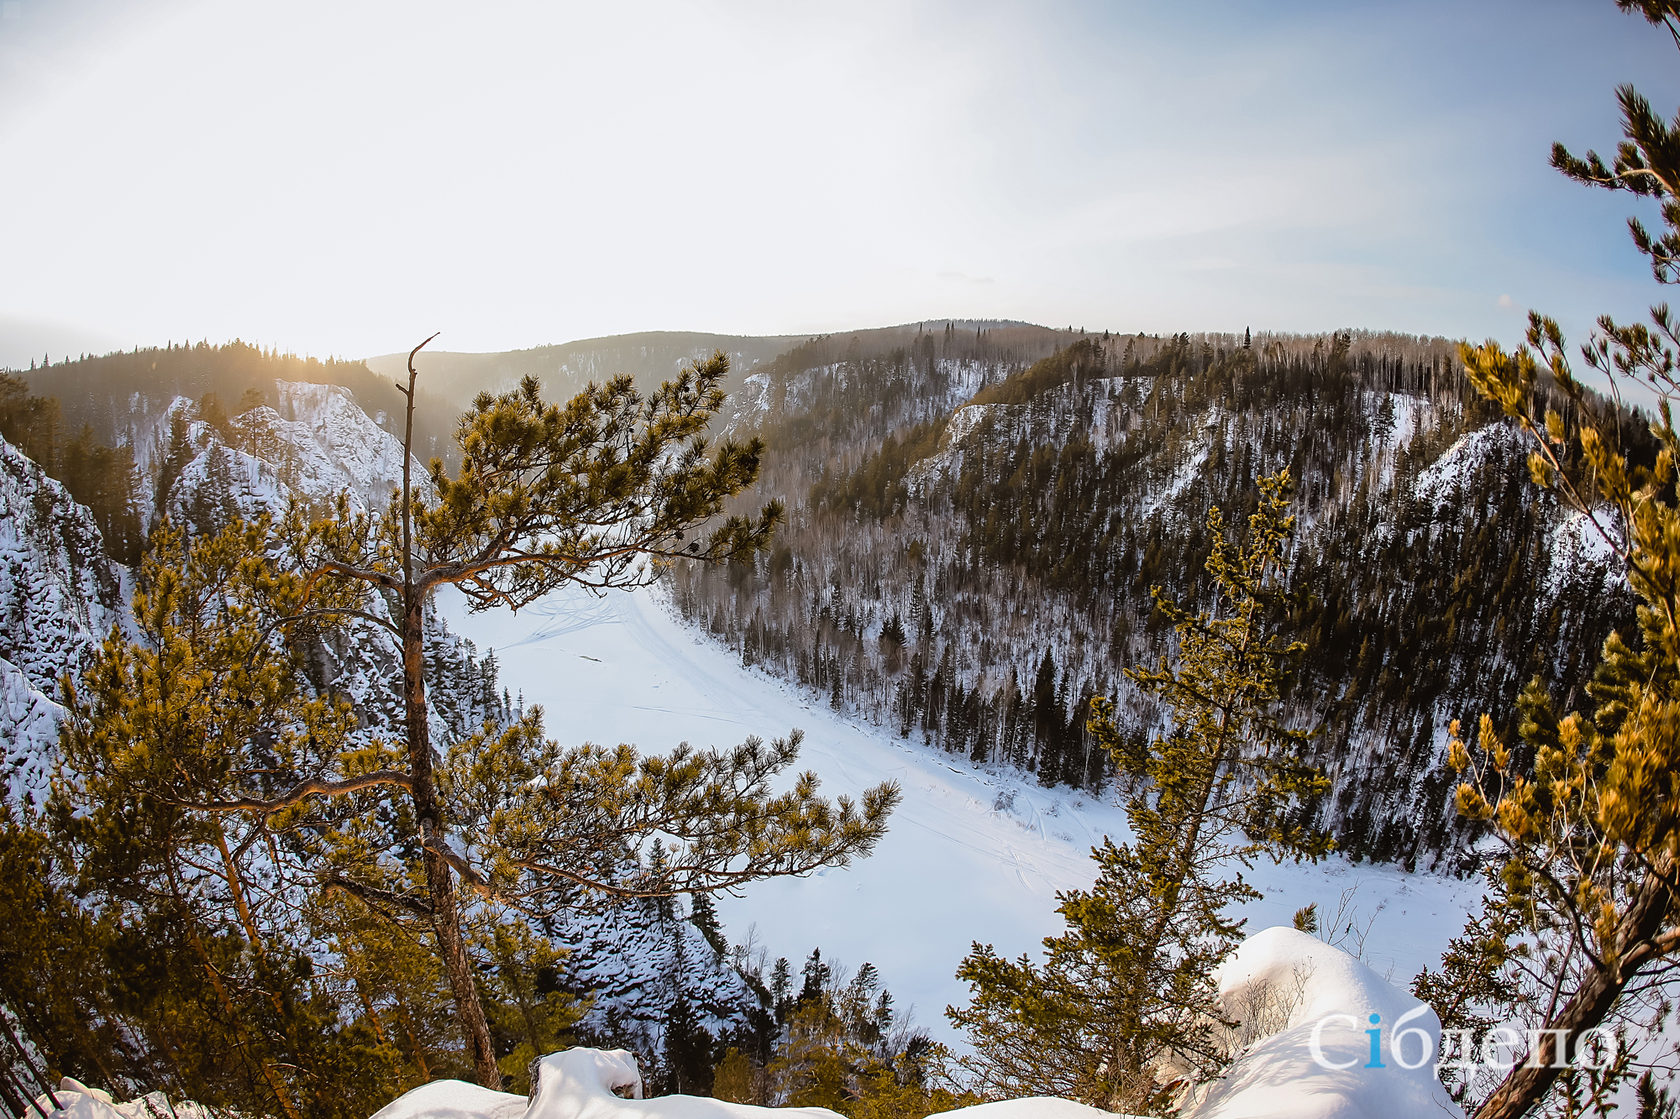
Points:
(451, 380)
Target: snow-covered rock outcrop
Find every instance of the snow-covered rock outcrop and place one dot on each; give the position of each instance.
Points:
(317, 444)
(1316, 1059)
(59, 596)
(339, 445)
(633, 964)
(59, 590)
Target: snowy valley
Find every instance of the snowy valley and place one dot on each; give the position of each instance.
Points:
(1000, 806)
(971, 855)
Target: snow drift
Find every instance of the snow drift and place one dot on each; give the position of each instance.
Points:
(1314, 1057)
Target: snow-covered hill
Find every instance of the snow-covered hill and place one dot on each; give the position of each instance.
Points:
(971, 855)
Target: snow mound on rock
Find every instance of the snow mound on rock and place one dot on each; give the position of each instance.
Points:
(1313, 1005)
(453, 1099)
(1033, 1107)
(77, 1101)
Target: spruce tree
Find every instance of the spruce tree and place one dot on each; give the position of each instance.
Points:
(173, 459)
(1123, 1007)
(703, 916)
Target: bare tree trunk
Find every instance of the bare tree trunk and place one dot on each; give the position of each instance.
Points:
(1527, 1084)
(39, 1074)
(440, 879)
(428, 812)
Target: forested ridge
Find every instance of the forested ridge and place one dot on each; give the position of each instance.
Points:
(978, 510)
(973, 535)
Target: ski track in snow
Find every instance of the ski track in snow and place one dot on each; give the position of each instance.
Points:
(970, 855)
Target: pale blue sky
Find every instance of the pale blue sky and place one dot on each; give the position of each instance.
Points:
(346, 178)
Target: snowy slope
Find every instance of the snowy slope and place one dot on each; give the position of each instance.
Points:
(1437, 483)
(970, 855)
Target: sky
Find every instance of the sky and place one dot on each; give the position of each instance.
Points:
(345, 178)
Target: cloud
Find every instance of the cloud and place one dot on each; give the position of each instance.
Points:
(532, 172)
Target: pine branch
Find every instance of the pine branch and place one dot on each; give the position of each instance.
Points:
(315, 786)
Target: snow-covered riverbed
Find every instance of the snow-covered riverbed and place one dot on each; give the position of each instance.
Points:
(971, 856)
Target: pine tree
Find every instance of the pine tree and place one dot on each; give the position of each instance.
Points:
(732, 1079)
(815, 974)
(530, 1015)
(781, 988)
(51, 960)
(1123, 1007)
(817, 1060)
(1583, 921)
(839, 1051)
(589, 493)
(687, 1049)
(212, 505)
(102, 478)
(29, 423)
